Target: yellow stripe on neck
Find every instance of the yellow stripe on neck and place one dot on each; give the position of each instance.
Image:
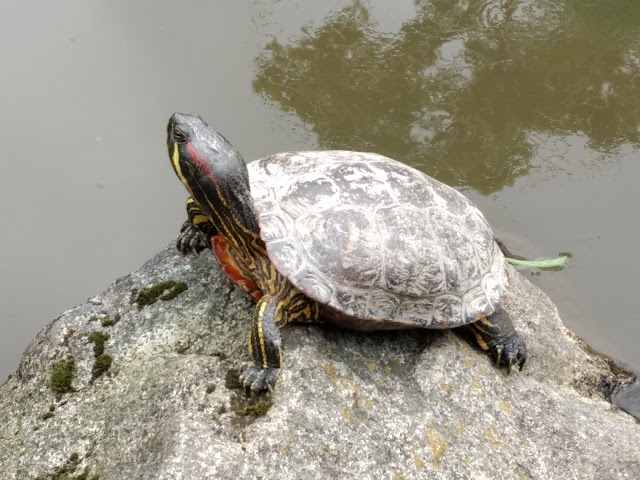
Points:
(175, 159)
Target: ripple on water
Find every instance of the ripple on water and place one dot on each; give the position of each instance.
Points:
(533, 18)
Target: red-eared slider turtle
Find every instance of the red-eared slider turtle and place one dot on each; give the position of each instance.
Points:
(353, 238)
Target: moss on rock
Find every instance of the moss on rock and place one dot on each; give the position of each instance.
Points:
(259, 408)
(110, 321)
(101, 365)
(98, 339)
(62, 376)
(166, 290)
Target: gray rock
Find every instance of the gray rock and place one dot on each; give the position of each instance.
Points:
(397, 405)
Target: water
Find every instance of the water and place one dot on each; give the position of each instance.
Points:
(530, 107)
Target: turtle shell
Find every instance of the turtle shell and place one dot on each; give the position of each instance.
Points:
(376, 240)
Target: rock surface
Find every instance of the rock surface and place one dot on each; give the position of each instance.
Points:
(153, 397)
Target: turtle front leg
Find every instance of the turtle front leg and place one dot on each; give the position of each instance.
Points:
(271, 314)
(196, 232)
(497, 336)
(265, 344)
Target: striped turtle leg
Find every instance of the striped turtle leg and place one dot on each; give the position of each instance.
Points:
(271, 314)
(265, 344)
(196, 232)
(301, 309)
(497, 336)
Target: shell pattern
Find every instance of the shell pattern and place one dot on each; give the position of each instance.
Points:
(377, 240)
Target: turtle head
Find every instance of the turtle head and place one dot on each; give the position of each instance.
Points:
(213, 172)
(196, 150)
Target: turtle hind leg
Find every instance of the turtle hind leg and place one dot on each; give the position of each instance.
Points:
(497, 336)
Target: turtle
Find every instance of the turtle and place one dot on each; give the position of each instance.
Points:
(354, 239)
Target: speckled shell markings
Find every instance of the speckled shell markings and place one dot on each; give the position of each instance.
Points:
(376, 239)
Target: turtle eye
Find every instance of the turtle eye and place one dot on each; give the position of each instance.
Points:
(179, 136)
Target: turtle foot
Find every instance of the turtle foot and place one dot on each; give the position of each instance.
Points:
(258, 379)
(496, 335)
(509, 352)
(191, 240)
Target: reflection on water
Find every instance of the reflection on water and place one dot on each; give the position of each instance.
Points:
(459, 88)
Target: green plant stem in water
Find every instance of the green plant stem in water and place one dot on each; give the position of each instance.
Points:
(559, 262)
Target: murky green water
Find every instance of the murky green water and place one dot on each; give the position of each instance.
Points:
(530, 107)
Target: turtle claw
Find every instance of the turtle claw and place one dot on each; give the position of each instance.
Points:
(258, 379)
(191, 240)
(498, 354)
(509, 353)
(521, 362)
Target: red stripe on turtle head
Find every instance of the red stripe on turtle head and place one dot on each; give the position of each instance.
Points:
(201, 164)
